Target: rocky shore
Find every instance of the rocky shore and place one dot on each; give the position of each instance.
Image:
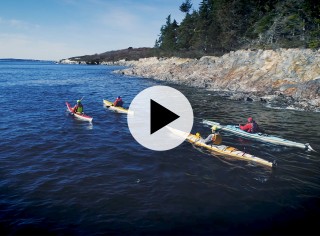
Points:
(289, 78)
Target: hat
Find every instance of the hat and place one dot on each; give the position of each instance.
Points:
(214, 128)
(250, 119)
(119, 96)
(78, 101)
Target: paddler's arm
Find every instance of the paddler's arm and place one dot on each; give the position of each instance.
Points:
(245, 127)
(74, 109)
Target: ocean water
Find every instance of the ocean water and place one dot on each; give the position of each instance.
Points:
(62, 176)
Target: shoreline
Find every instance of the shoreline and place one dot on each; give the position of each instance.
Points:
(289, 77)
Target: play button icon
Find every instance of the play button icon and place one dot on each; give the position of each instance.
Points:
(155, 108)
(160, 116)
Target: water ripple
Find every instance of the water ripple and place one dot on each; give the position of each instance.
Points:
(63, 176)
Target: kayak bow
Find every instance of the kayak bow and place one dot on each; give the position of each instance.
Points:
(259, 136)
(223, 149)
(79, 116)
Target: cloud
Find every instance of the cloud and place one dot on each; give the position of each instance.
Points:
(120, 19)
(18, 24)
(21, 46)
(83, 27)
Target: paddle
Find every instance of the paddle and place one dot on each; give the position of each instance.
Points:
(211, 123)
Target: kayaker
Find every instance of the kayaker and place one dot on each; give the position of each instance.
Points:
(118, 102)
(250, 127)
(215, 137)
(78, 108)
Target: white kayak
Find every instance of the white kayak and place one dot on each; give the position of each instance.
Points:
(259, 136)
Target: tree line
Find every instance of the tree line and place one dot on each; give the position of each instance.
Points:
(220, 26)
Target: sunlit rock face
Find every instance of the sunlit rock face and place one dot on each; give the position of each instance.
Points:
(291, 75)
(68, 61)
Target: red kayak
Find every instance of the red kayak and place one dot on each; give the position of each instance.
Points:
(77, 115)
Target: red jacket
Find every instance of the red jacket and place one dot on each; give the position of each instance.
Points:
(250, 127)
(118, 102)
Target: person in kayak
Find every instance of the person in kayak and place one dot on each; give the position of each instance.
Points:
(215, 137)
(118, 102)
(250, 127)
(78, 108)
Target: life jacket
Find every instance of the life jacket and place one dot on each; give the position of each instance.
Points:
(78, 108)
(217, 138)
(254, 127)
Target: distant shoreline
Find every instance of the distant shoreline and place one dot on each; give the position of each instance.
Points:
(19, 59)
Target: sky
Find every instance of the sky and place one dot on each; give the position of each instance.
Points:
(60, 29)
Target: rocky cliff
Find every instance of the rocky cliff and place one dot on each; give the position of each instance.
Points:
(290, 77)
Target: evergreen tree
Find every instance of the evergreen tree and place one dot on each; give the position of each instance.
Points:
(219, 26)
(185, 40)
(168, 37)
(186, 6)
(203, 22)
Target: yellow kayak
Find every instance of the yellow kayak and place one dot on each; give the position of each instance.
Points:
(223, 149)
(110, 106)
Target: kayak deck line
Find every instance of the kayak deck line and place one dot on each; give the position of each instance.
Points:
(259, 136)
(110, 106)
(83, 116)
(223, 150)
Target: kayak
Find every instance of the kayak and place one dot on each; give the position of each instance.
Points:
(259, 136)
(79, 116)
(110, 106)
(223, 149)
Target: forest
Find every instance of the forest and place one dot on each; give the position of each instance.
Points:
(220, 26)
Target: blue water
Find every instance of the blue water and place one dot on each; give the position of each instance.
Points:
(63, 176)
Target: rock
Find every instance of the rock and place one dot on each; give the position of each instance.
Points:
(291, 76)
